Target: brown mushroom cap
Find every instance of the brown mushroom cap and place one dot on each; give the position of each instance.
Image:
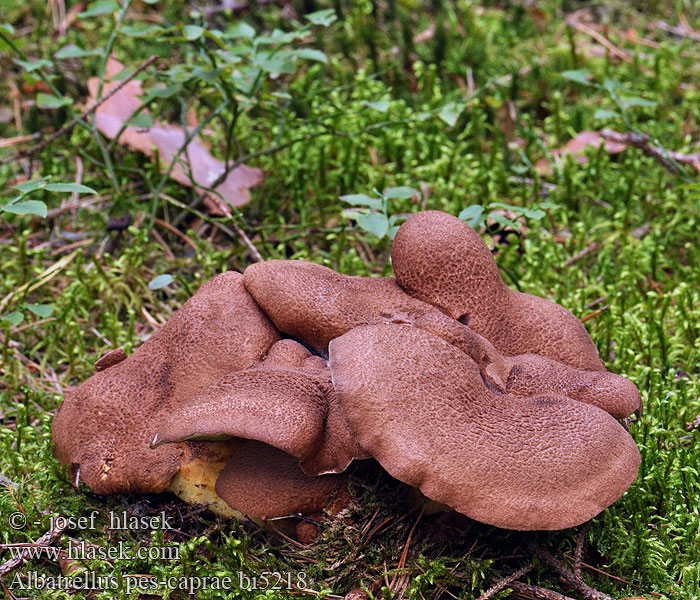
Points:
(314, 304)
(441, 260)
(264, 482)
(103, 428)
(530, 374)
(418, 405)
(293, 409)
(281, 407)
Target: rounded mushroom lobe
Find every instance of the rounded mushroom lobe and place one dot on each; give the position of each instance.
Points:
(530, 374)
(294, 410)
(104, 427)
(281, 407)
(286, 353)
(543, 462)
(314, 304)
(264, 482)
(439, 259)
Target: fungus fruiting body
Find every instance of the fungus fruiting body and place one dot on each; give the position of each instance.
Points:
(440, 259)
(261, 390)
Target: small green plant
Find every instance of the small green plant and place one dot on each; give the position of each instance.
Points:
(371, 213)
(43, 311)
(477, 215)
(22, 205)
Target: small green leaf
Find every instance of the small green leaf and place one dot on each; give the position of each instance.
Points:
(391, 234)
(73, 51)
(193, 32)
(472, 215)
(163, 92)
(207, 75)
(142, 120)
(401, 192)
(100, 7)
(33, 65)
(49, 101)
(375, 223)
(160, 282)
(611, 85)
(30, 186)
(322, 17)
(312, 54)
(7, 29)
(362, 200)
(279, 62)
(450, 113)
(41, 310)
(630, 101)
(239, 30)
(69, 187)
(581, 76)
(26, 207)
(378, 105)
(141, 30)
(604, 113)
(354, 213)
(503, 221)
(13, 318)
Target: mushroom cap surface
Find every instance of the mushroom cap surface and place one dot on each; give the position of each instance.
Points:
(314, 304)
(418, 405)
(264, 482)
(531, 374)
(293, 409)
(439, 259)
(104, 427)
(281, 407)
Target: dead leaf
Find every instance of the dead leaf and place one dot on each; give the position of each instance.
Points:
(111, 115)
(576, 147)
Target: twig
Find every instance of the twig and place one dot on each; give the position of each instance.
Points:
(613, 577)
(595, 313)
(537, 592)
(184, 237)
(677, 30)
(668, 158)
(578, 551)
(592, 247)
(257, 257)
(596, 302)
(45, 540)
(576, 582)
(601, 39)
(505, 582)
(20, 139)
(87, 112)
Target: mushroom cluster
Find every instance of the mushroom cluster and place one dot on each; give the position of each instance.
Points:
(259, 392)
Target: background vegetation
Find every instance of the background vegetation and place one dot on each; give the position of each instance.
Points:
(456, 100)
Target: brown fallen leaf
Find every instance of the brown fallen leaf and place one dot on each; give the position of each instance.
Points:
(576, 147)
(111, 115)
